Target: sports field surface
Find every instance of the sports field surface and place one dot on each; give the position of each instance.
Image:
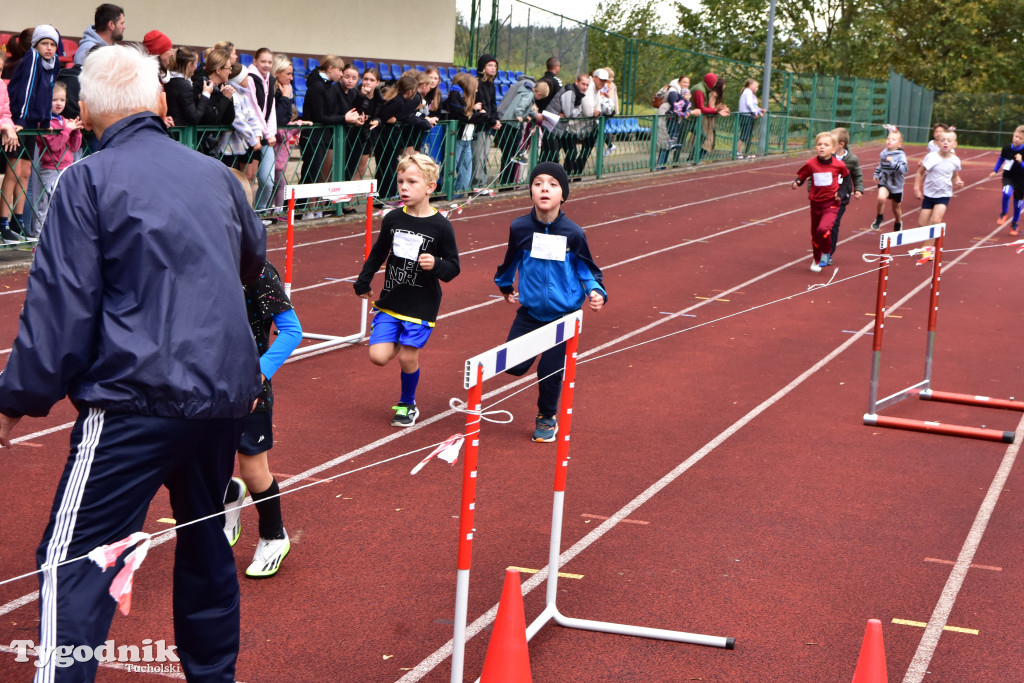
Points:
(722, 481)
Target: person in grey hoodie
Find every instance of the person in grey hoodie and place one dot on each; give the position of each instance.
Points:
(108, 27)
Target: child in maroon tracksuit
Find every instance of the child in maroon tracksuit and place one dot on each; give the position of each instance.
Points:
(826, 173)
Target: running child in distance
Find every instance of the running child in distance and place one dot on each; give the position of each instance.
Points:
(891, 174)
(826, 173)
(937, 175)
(556, 276)
(418, 244)
(1010, 163)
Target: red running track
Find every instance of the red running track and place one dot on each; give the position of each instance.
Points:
(719, 408)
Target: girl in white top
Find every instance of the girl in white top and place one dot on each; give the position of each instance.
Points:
(261, 95)
(749, 110)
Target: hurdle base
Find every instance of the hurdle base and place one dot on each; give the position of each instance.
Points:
(939, 428)
(551, 613)
(971, 400)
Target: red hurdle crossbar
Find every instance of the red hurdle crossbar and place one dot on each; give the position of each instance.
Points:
(923, 388)
(331, 191)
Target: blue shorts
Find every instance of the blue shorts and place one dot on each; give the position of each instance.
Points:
(387, 329)
(931, 202)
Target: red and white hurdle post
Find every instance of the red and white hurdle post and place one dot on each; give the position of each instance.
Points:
(923, 388)
(483, 367)
(329, 191)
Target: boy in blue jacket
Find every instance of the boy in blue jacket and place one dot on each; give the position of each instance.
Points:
(556, 275)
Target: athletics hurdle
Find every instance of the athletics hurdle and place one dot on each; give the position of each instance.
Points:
(923, 389)
(335, 192)
(478, 369)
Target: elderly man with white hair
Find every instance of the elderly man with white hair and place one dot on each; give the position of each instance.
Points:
(135, 311)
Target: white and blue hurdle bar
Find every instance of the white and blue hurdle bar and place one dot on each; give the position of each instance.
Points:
(331, 192)
(479, 369)
(923, 389)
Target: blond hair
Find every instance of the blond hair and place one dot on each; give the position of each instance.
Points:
(1019, 129)
(827, 134)
(842, 136)
(541, 89)
(428, 167)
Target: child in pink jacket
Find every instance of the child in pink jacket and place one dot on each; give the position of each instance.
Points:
(56, 152)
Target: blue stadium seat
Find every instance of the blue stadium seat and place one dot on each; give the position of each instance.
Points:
(451, 71)
(472, 72)
(519, 74)
(299, 100)
(444, 89)
(299, 84)
(420, 67)
(312, 64)
(299, 66)
(358, 64)
(371, 65)
(443, 71)
(244, 59)
(385, 71)
(396, 71)
(407, 67)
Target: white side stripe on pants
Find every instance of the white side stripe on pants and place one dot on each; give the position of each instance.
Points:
(63, 531)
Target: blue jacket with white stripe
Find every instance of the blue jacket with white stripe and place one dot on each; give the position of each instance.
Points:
(549, 289)
(133, 301)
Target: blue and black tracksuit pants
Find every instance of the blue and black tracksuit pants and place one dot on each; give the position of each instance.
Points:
(549, 369)
(117, 463)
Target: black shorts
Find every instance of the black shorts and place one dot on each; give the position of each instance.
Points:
(259, 433)
(895, 196)
(932, 202)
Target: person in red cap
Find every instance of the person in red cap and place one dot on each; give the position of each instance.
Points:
(708, 99)
(160, 46)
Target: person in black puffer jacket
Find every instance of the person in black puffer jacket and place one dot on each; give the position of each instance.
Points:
(486, 95)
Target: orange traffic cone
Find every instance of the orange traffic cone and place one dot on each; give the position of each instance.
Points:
(871, 663)
(508, 660)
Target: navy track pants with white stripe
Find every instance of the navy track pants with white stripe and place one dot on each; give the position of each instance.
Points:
(116, 465)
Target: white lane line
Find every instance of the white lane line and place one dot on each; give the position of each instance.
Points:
(940, 615)
(445, 651)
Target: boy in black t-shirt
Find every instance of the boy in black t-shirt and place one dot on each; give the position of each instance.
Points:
(419, 246)
(266, 303)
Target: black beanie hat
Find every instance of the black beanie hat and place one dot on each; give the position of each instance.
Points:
(555, 171)
(482, 62)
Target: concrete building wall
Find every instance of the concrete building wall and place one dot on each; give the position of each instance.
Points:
(302, 27)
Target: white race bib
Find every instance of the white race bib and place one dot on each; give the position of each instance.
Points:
(406, 245)
(1007, 164)
(822, 179)
(548, 247)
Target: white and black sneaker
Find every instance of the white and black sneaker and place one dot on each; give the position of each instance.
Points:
(268, 557)
(405, 415)
(9, 236)
(233, 511)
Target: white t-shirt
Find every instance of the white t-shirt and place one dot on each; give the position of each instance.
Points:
(748, 102)
(938, 181)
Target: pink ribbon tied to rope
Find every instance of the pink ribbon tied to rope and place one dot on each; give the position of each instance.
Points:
(106, 556)
(448, 450)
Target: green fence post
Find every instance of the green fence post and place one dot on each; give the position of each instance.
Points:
(853, 110)
(652, 160)
(338, 160)
(450, 129)
(599, 148)
(810, 115)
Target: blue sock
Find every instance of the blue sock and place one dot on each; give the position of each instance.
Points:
(409, 382)
(1006, 199)
(1016, 211)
